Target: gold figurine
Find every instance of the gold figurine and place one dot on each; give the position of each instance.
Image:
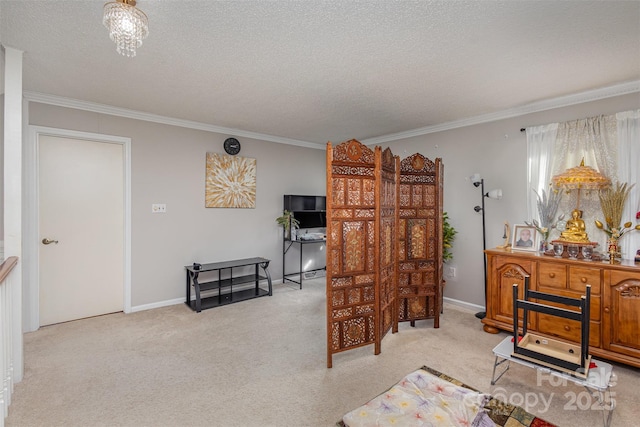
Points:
(575, 231)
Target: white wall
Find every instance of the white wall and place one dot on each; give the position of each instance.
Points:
(2, 161)
(168, 166)
(498, 151)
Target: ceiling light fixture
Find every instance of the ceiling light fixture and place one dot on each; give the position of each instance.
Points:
(127, 25)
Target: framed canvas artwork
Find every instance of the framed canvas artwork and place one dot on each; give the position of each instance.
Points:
(230, 182)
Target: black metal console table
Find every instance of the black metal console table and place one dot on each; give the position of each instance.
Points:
(229, 296)
(286, 246)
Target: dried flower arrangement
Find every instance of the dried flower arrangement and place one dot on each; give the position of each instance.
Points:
(547, 209)
(612, 202)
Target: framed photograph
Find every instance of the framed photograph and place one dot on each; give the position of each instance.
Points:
(525, 238)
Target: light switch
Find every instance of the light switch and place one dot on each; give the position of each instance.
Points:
(158, 208)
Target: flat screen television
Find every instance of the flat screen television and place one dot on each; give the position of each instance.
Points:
(308, 210)
(311, 219)
(295, 203)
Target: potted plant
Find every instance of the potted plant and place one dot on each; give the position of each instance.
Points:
(287, 221)
(448, 236)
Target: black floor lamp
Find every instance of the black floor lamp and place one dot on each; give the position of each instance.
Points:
(493, 194)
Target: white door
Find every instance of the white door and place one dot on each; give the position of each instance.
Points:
(81, 228)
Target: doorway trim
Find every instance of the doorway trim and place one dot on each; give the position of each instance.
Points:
(31, 291)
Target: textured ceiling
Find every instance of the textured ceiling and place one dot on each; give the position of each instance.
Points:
(319, 71)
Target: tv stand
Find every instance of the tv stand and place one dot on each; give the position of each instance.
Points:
(300, 273)
(310, 211)
(227, 283)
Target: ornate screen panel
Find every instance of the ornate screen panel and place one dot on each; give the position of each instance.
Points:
(420, 239)
(352, 295)
(387, 187)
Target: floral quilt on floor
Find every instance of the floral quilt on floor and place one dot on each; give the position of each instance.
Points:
(420, 399)
(427, 397)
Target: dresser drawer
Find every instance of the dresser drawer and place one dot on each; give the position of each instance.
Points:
(552, 276)
(580, 277)
(567, 329)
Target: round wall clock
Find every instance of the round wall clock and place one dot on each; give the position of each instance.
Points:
(232, 146)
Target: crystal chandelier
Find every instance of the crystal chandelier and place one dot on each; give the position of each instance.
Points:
(127, 25)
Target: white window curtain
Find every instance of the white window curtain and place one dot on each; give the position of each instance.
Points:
(540, 142)
(604, 142)
(628, 127)
(594, 140)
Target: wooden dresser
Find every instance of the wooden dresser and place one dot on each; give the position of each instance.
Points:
(615, 299)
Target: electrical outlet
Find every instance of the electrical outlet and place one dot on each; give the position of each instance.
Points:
(158, 208)
(451, 272)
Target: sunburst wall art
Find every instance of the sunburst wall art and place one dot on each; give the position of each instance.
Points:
(231, 182)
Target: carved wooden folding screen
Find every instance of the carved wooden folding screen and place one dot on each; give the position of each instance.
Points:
(388, 173)
(352, 292)
(420, 239)
(384, 222)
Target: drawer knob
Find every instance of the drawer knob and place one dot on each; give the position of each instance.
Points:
(567, 328)
(583, 279)
(552, 275)
(606, 309)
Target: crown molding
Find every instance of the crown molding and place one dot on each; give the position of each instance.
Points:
(155, 118)
(548, 104)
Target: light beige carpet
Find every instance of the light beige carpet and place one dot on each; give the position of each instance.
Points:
(263, 363)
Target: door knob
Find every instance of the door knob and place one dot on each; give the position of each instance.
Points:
(49, 241)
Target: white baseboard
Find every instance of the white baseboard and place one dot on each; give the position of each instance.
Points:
(466, 305)
(157, 304)
(173, 301)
